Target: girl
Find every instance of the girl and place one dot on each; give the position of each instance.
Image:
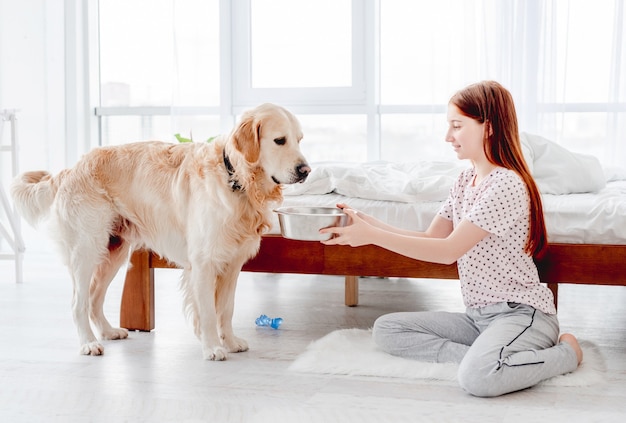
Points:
(491, 225)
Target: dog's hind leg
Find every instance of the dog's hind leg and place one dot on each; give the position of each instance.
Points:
(225, 304)
(102, 277)
(81, 270)
(84, 238)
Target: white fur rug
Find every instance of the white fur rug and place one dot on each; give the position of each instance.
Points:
(353, 352)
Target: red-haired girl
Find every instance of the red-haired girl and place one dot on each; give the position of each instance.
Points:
(492, 225)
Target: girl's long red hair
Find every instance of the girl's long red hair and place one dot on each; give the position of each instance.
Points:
(489, 102)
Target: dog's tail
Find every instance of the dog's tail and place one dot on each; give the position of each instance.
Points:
(33, 194)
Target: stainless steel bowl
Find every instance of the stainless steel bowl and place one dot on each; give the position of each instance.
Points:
(304, 223)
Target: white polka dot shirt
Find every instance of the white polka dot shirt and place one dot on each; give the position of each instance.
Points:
(497, 269)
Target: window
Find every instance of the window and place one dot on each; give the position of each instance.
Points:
(159, 69)
(288, 49)
(369, 79)
(298, 52)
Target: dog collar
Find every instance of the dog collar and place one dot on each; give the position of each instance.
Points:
(234, 183)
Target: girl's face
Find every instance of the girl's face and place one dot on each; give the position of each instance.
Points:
(465, 135)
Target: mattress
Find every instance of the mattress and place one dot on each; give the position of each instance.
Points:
(584, 218)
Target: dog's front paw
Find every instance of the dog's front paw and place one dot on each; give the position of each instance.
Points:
(214, 353)
(115, 333)
(235, 344)
(92, 348)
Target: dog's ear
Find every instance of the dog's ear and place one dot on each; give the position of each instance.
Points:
(247, 137)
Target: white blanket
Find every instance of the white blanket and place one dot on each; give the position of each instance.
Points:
(556, 171)
(402, 182)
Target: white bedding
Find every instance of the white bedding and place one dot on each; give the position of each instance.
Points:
(403, 182)
(586, 218)
(555, 169)
(558, 170)
(583, 203)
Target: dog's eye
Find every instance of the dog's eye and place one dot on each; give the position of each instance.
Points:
(280, 141)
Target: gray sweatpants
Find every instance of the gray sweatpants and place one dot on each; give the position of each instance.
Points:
(500, 348)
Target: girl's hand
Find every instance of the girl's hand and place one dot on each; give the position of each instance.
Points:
(356, 234)
(366, 217)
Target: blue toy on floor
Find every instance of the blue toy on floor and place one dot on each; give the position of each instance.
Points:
(263, 320)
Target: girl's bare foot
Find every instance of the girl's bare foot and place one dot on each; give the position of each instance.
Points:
(571, 339)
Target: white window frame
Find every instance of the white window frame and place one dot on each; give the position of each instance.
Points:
(244, 95)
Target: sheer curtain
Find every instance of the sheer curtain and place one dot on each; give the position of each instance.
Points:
(563, 60)
(616, 130)
(565, 63)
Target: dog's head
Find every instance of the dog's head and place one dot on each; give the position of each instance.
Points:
(269, 136)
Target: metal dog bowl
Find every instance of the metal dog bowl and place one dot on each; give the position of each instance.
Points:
(304, 223)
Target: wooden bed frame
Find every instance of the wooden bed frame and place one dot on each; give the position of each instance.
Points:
(563, 263)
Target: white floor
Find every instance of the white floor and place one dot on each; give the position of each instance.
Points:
(161, 377)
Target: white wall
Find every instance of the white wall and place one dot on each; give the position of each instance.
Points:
(32, 78)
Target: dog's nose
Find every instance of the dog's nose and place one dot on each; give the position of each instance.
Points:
(303, 171)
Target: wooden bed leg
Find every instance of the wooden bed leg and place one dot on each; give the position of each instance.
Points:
(352, 291)
(554, 287)
(137, 309)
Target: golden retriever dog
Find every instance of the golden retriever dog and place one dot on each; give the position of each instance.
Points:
(202, 206)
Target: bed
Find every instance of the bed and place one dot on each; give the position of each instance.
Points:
(584, 206)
